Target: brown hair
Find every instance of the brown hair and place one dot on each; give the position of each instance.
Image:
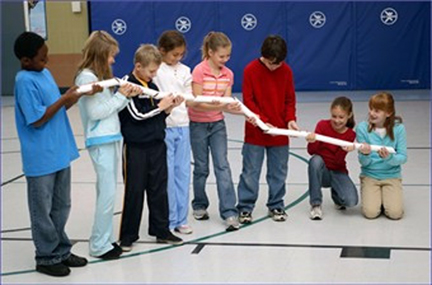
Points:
(345, 104)
(96, 52)
(384, 101)
(213, 41)
(146, 54)
(170, 40)
(274, 48)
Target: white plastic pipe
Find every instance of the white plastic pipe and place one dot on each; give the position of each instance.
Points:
(318, 137)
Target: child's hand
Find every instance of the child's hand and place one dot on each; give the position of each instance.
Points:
(166, 102)
(365, 148)
(311, 138)
(234, 107)
(95, 89)
(292, 125)
(129, 90)
(252, 120)
(383, 152)
(72, 96)
(348, 148)
(177, 101)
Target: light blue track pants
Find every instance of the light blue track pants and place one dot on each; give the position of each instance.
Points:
(179, 167)
(105, 162)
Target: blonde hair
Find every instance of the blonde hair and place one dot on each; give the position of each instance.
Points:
(384, 101)
(146, 54)
(213, 41)
(97, 49)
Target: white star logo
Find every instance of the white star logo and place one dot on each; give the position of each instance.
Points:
(249, 22)
(389, 16)
(317, 19)
(183, 24)
(119, 27)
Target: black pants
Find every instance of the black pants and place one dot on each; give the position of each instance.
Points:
(144, 170)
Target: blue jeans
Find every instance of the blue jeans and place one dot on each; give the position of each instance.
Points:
(343, 190)
(105, 160)
(277, 170)
(205, 138)
(177, 140)
(49, 204)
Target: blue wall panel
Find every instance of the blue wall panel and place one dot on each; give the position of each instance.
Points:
(395, 55)
(352, 50)
(320, 38)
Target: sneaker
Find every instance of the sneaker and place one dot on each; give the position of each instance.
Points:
(316, 213)
(125, 246)
(278, 215)
(200, 214)
(57, 270)
(340, 207)
(232, 224)
(170, 239)
(114, 253)
(184, 229)
(75, 261)
(245, 218)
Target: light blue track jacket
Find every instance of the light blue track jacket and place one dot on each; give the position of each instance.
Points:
(99, 112)
(373, 165)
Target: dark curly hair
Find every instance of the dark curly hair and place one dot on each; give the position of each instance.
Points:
(27, 45)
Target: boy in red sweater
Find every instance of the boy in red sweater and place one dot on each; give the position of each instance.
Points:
(327, 166)
(268, 91)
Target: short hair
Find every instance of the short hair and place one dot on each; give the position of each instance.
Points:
(27, 45)
(274, 48)
(146, 54)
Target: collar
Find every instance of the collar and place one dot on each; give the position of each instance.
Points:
(207, 70)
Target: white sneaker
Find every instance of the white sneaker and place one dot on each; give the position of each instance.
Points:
(232, 224)
(316, 213)
(184, 229)
(200, 214)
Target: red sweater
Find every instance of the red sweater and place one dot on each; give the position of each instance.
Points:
(271, 95)
(333, 155)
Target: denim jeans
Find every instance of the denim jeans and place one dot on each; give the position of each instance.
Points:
(177, 140)
(343, 190)
(105, 160)
(277, 170)
(205, 138)
(49, 204)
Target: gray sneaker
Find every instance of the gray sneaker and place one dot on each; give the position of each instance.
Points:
(200, 214)
(245, 218)
(278, 215)
(232, 224)
(316, 213)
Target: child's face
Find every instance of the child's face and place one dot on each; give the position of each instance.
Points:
(146, 73)
(220, 57)
(378, 117)
(270, 63)
(339, 119)
(173, 56)
(38, 62)
(111, 57)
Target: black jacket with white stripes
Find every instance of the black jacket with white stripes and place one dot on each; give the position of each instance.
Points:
(141, 121)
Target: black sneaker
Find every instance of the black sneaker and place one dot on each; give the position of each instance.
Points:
(112, 254)
(170, 239)
(75, 261)
(278, 215)
(57, 270)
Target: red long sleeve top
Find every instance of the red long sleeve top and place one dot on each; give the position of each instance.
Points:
(271, 95)
(333, 155)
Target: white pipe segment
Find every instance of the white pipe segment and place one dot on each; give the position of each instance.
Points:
(226, 100)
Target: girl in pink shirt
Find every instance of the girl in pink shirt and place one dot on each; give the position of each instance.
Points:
(208, 131)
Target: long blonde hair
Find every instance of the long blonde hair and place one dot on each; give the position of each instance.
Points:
(97, 49)
(213, 41)
(384, 101)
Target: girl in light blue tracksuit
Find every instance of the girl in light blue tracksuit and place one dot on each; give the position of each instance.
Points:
(102, 136)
